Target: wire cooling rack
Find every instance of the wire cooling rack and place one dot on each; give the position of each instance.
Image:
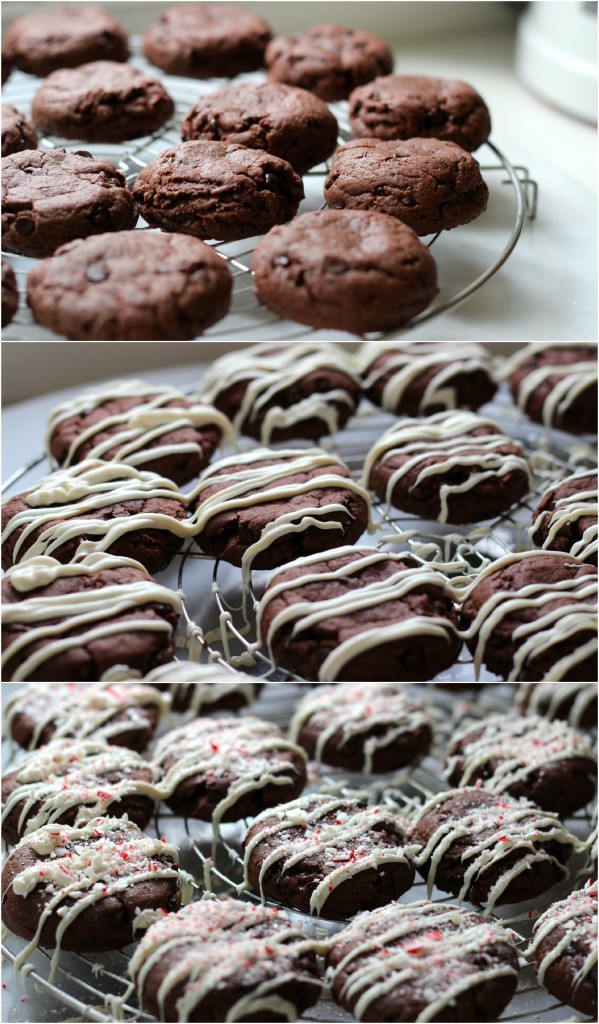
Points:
(496, 232)
(219, 620)
(96, 987)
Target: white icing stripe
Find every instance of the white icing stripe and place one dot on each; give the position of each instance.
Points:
(550, 700)
(576, 916)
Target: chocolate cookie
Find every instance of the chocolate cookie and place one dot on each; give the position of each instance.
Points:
(575, 703)
(566, 517)
(69, 781)
(422, 378)
(10, 293)
(489, 847)
(262, 508)
(547, 762)
(75, 622)
(217, 190)
(429, 184)
(349, 270)
(328, 60)
(225, 960)
(84, 888)
(224, 769)
(288, 123)
(357, 614)
(17, 132)
(327, 856)
(409, 106)
(101, 102)
(124, 716)
(50, 197)
(564, 947)
(112, 288)
(453, 467)
(556, 385)
(96, 506)
(154, 427)
(423, 961)
(202, 692)
(532, 617)
(364, 727)
(64, 36)
(207, 41)
(282, 393)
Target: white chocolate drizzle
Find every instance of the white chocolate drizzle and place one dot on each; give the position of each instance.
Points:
(576, 917)
(572, 380)
(550, 699)
(303, 614)
(347, 845)
(434, 446)
(580, 505)
(376, 713)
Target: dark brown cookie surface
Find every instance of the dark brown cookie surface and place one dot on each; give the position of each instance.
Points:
(556, 385)
(252, 961)
(429, 184)
(328, 60)
(452, 467)
(514, 617)
(111, 288)
(103, 101)
(360, 614)
(547, 762)
(63, 36)
(207, 40)
(564, 947)
(408, 106)
(490, 848)
(10, 293)
(50, 197)
(224, 769)
(286, 122)
(566, 517)
(364, 727)
(17, 131)
(217, 190)
(59, 622)
(350, 270)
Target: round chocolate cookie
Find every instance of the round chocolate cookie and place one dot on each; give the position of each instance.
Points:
(75, 622)
(285, 122)
(564, 948)
(10, 293)
(50, 197)
(63, 36)
(423, 961)
(101, 102)
(217, 190)
(17, 132)
(547, 762)
(224, 769)
(264, 507)
(69, 781)
(328, 60)
(207, 40)
(96, 506)
(84, 888)
(409, 106)
(113, 288)
(201, 691)
(328, 856)
(357, 614)
(349, 270)
(575, 703)
(429, 184)
(422, 378)
(556, 385)
(282, 393)
(566, 517)
(139, 424)
(533, 617)
(364, 727)
(489, 847)
(225, 960)
(124, 716)
(453, 467)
